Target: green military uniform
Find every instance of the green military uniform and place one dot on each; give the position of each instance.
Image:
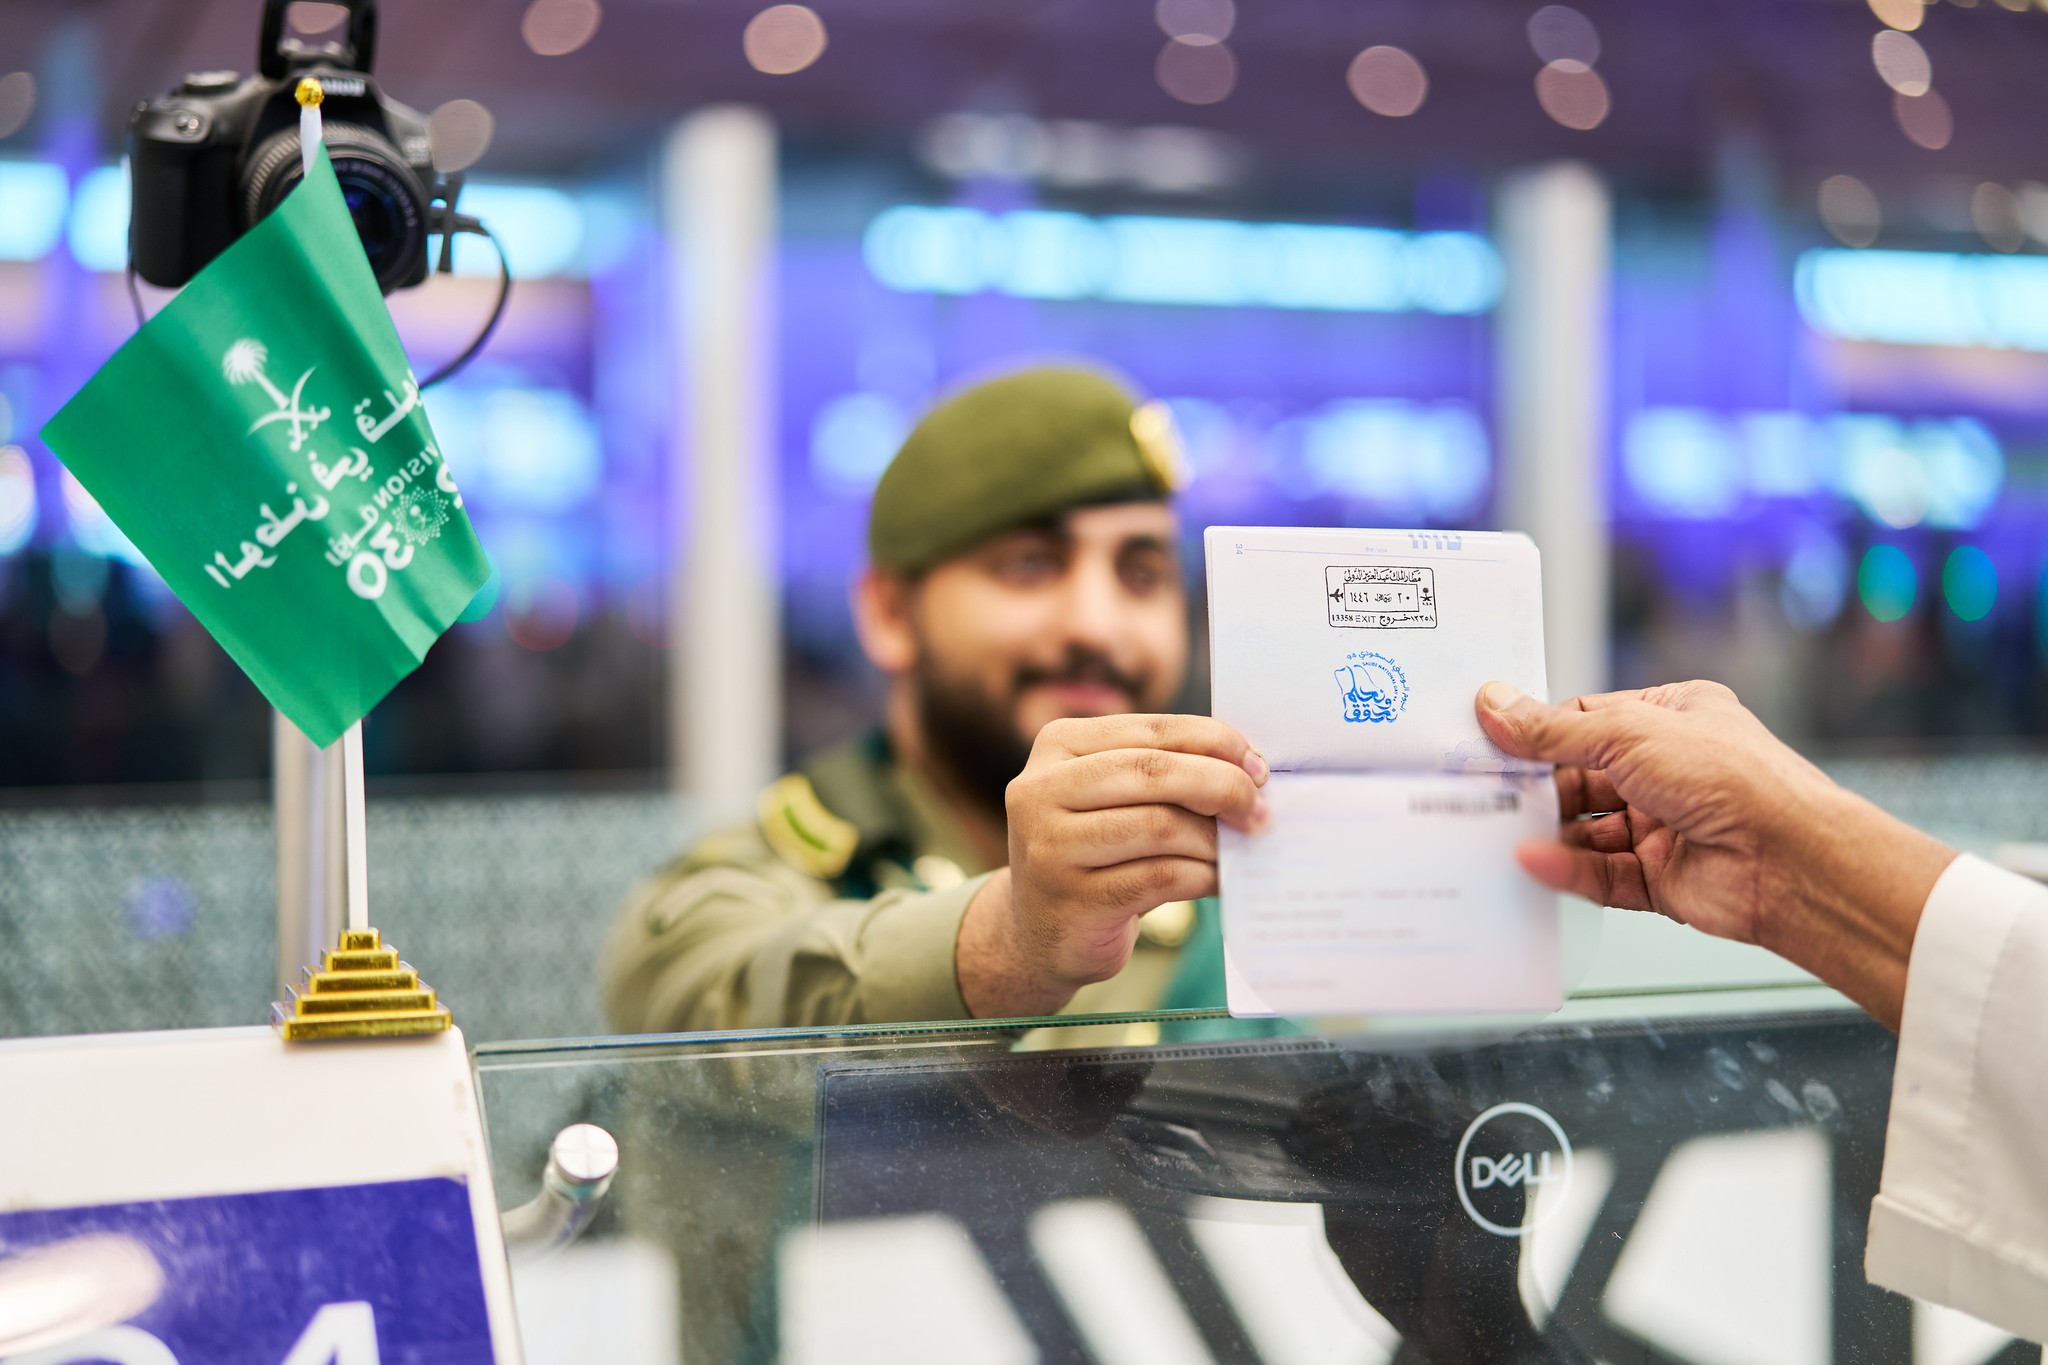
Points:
(841, 903)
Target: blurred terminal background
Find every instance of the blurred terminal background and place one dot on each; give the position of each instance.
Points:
(1742, 307)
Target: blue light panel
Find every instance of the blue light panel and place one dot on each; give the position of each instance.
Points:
(1945, 473)
(99, 219)
(1926, 298)
(1201, 262)
(35, 195)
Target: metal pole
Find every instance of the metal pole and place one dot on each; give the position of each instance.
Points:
(725, 635)
(1554, 228)
(311, 885)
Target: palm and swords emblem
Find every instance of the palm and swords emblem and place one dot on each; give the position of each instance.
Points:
(244, 363)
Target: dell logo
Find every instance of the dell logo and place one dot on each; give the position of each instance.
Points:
(1512, 1170)
(1507, 1154)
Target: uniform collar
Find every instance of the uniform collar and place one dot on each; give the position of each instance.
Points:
(936, 829)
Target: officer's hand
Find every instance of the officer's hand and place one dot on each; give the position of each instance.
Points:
(1676, 799)
(1113, 816)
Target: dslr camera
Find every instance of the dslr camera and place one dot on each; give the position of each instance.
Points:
(216, 154)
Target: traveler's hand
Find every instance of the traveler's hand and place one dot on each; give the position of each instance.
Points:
(1112, 817)
(1676, 799)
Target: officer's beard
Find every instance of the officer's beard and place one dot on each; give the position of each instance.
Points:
(976, 739)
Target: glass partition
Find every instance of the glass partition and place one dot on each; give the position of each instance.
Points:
(1680, 1177)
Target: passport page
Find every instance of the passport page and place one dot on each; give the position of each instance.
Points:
(1386, 882)
(1359, 650)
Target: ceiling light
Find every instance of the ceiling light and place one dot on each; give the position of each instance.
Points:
(459, 133)
(1211, 19)
(784, 39)
(1901, 62)
(1572, 93)
(17, 101)
(2033, 200)
(1996, 212)
(1196, 71)
(1925, 119)
(555, 28)
(1560, 33)
(1849, 210)
(1388, 81)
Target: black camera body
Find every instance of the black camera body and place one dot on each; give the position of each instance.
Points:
(208, 160)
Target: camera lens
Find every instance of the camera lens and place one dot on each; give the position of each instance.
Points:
(383, 196)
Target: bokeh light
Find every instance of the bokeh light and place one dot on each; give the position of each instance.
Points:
(1885, 480)
(783, 39)
(1211, 19)
(1425, 460)
(1995, 210)
(36, 197)
(1683, 461)
(1559, 33)
(98, 229)
(17, 499)
(1816, 580)
(555, 28)
(1899, 14)
(1196, 70)
(1924, 119)
(1887, 582)
(853, 438)
(1388, 81)
(541, 229)
(1969, 583)
(1572, 93)
(2033, 199)
(524, 447)
(1850, 211)
(1901, 63)
(17, 101)
(460, 133)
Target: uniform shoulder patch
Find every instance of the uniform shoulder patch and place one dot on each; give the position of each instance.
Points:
(802, 832)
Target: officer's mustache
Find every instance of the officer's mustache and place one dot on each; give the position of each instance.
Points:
(1081, 666)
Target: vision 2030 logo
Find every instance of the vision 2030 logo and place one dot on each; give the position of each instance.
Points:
(1509, 1155)
(1372, 687)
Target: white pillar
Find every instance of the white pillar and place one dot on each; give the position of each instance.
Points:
(312, 886)
(725, 629)
(1553, 224)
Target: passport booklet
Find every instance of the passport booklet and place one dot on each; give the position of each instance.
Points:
(1386, 883)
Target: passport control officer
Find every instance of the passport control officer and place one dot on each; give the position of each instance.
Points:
(1026, 831)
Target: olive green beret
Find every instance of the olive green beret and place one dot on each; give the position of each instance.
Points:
(1012, 451)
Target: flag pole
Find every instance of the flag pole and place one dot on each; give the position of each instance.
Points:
(355, 822)
(309, 95)
(355, 827)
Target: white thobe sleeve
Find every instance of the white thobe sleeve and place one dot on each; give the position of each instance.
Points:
(1961, 1215)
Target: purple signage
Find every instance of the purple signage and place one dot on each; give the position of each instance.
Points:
(383, 1274)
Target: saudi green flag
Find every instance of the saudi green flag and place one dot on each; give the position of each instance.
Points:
(261, 441)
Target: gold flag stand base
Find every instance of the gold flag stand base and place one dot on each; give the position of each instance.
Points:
(362, 990)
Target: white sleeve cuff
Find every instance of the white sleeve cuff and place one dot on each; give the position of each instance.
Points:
(1942, 1228)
